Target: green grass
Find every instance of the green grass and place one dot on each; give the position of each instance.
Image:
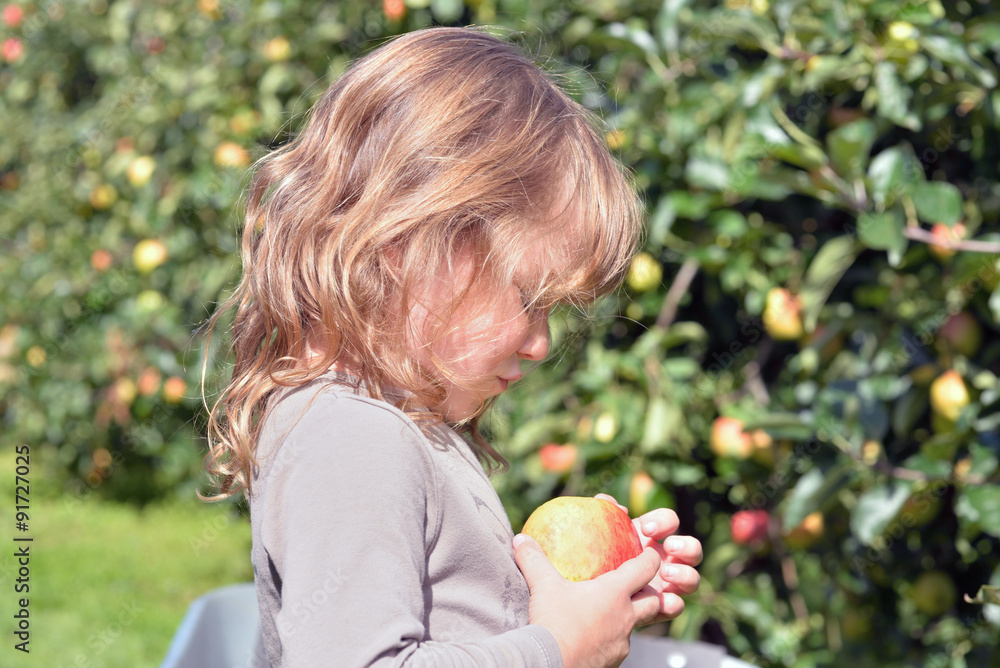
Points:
(111, 582)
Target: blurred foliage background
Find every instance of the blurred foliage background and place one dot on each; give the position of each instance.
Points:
(804, 362)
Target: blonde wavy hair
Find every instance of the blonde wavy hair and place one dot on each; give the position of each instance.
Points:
(441, 140)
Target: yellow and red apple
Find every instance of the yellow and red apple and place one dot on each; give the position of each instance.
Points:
(783, 315)
(583, 537)
(729, 440)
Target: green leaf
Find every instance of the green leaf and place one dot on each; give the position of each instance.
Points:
(825, 271)
(907, 410)
(538, 431)
(681, 368)
(667, 24)
(950, 50)
(849, 146)
(709, 174)
(892, 173)
(938, 202)
(804, 156)
(802, 501)
(447, 10)
(662, 420)
(984, 462)
(876, 508)
(882, 230)
(634, 35)
(811, 490)
(980, 506)
(894, 97)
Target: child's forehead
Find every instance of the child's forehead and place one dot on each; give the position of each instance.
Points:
(548, 250)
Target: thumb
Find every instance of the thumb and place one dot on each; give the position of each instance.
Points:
(638, 572)
(534, 565)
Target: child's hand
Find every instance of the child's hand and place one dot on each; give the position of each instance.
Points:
(592, 620)
(679, 555)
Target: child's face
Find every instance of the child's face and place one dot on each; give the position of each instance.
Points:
(488, 336)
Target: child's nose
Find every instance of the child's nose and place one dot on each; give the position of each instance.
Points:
(536, 342)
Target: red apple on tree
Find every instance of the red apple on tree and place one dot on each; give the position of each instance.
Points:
(960, 333)
(12, 15)
(174, 389)
(749, 526)
(945, 233)
(583, 537)
(557, 458)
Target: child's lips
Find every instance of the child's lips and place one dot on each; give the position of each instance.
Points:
(505, 381)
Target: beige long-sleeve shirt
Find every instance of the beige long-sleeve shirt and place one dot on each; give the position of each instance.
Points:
(375, 544)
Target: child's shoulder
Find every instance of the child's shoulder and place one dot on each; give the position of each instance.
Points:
(329, 417)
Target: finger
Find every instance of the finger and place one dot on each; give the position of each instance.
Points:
(679, 579)
(608, 497)
(671, 606)
(683, 549)
(638, 572)
(659, 523)
(534, 565)
(646, 605)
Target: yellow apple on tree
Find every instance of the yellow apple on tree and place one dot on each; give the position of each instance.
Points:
(645, 273)
(231, 154)
(149, 254)
(583, 537)
(806, 534)
(277, 49)
(782, 315)
(949, 395)
(140, 171)
(103, 196)
(605, 427)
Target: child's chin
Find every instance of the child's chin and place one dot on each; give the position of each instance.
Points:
(459, 409)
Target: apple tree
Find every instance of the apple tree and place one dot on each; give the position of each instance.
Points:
(804, 361)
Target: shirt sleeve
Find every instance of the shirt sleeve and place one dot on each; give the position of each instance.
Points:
(352, 508)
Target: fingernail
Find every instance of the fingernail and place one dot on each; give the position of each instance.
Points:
(518, 539)
(673, 545)
(670, 571)
(649, 528)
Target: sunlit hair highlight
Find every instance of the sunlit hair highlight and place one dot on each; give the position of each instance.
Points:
(440, 141)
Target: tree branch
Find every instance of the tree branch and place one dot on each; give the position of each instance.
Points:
(920, 234)
(680, 285)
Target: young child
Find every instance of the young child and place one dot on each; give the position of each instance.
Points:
(400, 258)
